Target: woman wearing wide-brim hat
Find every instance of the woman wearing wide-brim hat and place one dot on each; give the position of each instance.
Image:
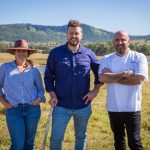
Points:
(23, 91)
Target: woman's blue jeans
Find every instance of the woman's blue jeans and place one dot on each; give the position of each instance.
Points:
(60, 120)
(22, 124)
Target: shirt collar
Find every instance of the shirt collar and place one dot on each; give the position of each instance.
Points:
(14, 64)
(78, 51)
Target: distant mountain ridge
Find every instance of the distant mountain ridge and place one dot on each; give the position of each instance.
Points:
(41, 33)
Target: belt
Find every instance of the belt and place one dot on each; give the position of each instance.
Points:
(23, 104)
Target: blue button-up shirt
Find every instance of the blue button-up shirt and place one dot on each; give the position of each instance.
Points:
(68, 75)
(20, 87)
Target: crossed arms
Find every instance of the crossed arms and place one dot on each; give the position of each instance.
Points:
(125, 77)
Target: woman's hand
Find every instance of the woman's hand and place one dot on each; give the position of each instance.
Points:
(5, 103)
(36, 101)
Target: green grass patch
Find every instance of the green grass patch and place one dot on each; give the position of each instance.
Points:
(99, 137)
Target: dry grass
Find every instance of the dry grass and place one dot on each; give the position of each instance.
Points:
(99, 134)
(38, 59)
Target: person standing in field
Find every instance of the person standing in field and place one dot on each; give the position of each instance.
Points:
(124, 72)
(21, 92)
(67, 79)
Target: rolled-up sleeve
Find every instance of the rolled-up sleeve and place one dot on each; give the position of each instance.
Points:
(49, 76)
(39, 84)
(2, 74)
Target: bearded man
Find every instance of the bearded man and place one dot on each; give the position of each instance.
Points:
(67, 79)
(124, 72)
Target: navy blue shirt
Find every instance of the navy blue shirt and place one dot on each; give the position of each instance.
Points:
(68, 75)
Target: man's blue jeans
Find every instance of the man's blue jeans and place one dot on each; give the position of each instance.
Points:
(22, 124)
(60, 120)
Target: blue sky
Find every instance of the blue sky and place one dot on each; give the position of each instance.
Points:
(111, 15)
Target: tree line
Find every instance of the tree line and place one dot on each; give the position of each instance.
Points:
(99, 48)
(105, 48)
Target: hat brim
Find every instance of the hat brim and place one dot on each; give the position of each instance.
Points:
(12, 50)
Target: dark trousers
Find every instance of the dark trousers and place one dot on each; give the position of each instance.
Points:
(131, 121)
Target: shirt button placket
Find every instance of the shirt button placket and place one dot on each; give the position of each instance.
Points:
(21, 80)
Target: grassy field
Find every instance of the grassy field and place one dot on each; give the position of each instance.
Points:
(100, 136)
(38, 59)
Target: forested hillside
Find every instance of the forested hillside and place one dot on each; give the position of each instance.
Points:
(57, 34)
(44, 38)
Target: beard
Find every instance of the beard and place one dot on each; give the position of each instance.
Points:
(73, 42)
(121, 49)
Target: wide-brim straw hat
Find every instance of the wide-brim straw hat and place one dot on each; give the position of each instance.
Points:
(21, 45)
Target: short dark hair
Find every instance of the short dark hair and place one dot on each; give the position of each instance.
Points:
(74, 23)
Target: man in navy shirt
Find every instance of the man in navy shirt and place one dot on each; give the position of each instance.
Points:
(67, 79)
